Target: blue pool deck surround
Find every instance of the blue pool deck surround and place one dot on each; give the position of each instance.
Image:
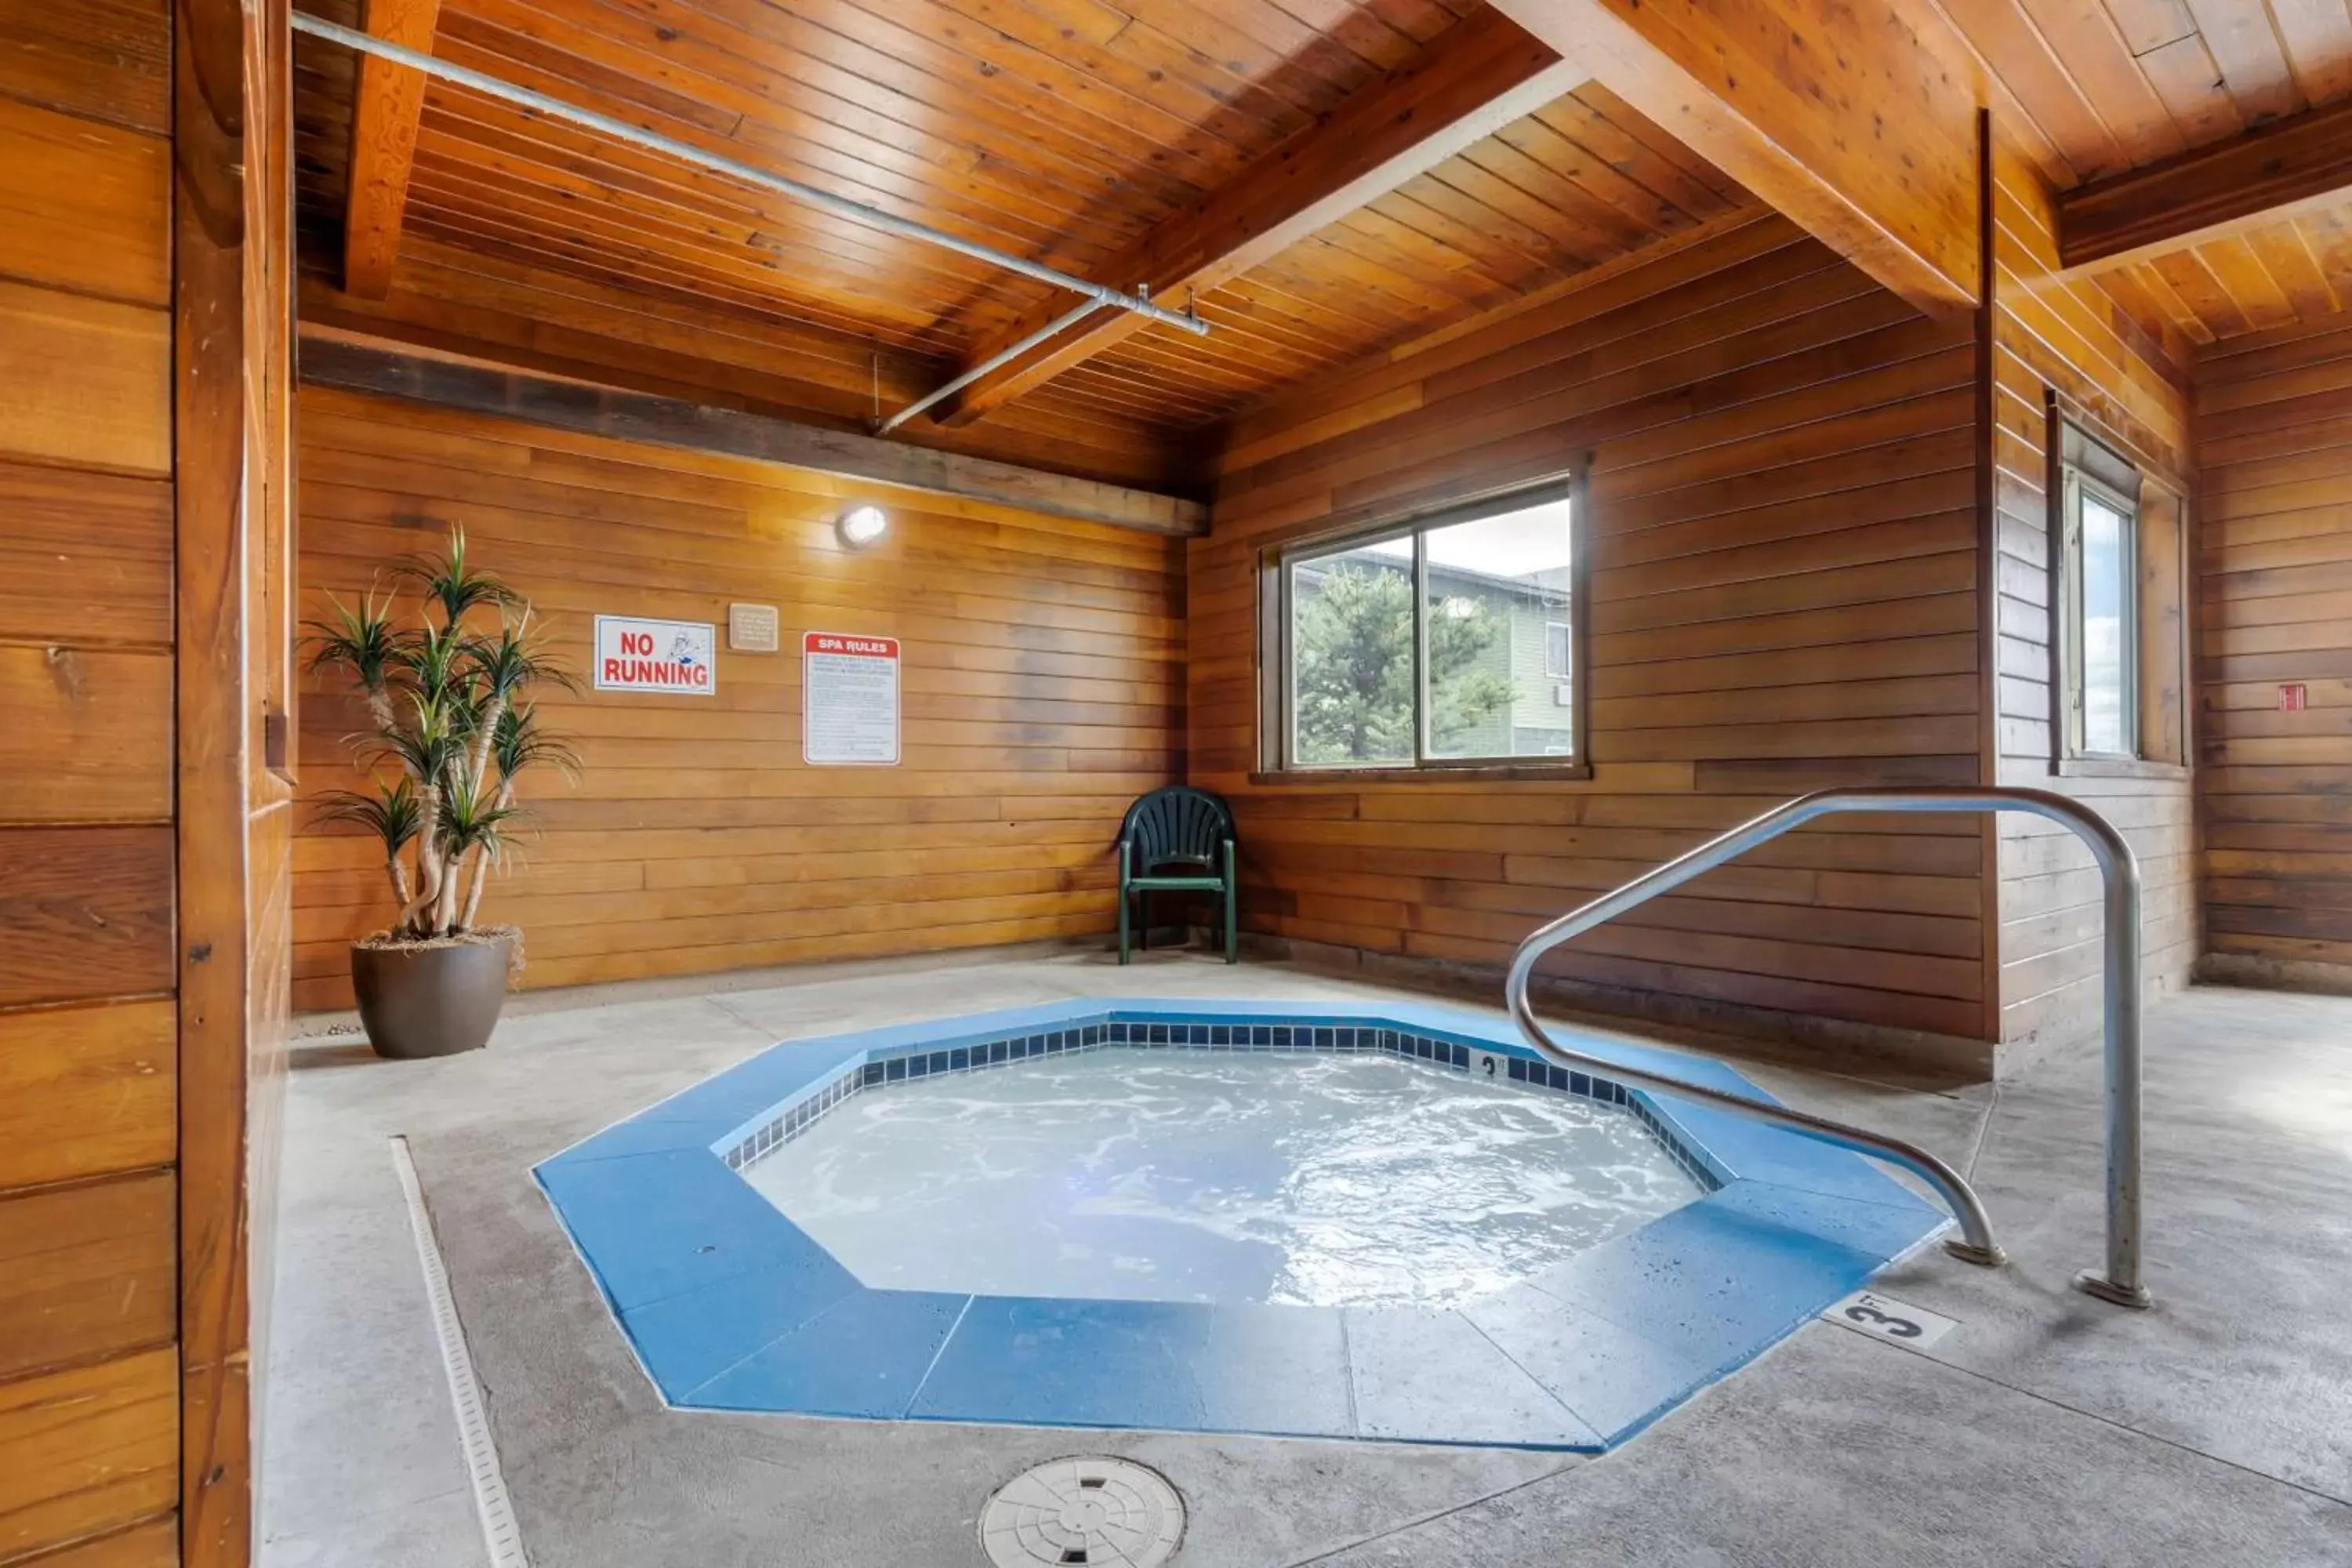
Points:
(729, 1306)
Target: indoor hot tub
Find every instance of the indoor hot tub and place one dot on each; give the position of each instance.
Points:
(1372, 1221)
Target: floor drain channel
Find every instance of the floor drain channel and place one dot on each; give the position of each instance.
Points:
(1099, 1512)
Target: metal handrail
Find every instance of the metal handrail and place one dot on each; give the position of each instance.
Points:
(2120, 870)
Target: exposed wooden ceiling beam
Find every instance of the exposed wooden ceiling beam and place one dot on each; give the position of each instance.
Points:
(1855, 117)
(1475, 78)
(384, 114)
(335, 361)
(2255, 178)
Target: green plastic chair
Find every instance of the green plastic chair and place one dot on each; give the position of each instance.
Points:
(1173, 840)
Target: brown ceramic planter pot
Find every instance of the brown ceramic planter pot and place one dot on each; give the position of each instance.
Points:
(430, 1001)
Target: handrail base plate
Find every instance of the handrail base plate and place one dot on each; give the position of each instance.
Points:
(1982, 1257)
(2135, 1296)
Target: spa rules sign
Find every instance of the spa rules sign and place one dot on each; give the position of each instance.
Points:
(849, 699)
(679, 657)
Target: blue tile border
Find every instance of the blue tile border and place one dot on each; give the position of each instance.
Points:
(729, 1306)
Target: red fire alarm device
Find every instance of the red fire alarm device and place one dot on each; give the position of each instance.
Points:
(2293, 698)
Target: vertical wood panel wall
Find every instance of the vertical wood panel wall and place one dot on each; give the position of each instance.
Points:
(232, 586)
(2274, 460)
(1784, 595)
(142, 331)
(1043, 690)
(89, 1374)
(2068, 334)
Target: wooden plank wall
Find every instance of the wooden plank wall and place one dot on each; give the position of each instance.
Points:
(143, 425)
(89, 1390)
(2273, 454)
(233, 584)
(1784, 568)
(1043, 690)
(2067, 333)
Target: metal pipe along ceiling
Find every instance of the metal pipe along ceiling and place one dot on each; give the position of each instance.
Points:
(1096, 294)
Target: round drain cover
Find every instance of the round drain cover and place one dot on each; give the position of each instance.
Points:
(1094, 1512)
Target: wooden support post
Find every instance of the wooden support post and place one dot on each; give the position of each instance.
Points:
(384, 115)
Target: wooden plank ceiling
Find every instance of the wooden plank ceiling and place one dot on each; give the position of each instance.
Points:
(1079, 132)
(2099, 87)
(1061, 129)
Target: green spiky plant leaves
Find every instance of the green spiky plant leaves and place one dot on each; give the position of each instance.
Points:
(453, 726)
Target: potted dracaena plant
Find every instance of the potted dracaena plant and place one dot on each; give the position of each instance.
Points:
(452, 726)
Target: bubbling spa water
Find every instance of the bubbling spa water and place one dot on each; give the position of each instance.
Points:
(1315, 1180)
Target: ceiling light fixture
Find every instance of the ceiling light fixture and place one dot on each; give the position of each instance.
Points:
(862, 525)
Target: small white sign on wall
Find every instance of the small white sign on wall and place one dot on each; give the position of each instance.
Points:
(752, 628)
(636, 655)
(849, 699)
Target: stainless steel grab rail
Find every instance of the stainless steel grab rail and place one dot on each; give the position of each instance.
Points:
(2120, 870)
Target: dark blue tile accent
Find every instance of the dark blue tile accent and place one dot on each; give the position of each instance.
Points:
(939, 1061)
(872, 1072)
(1221, 1034)
(1461, 1056)
(1325, 1039)
(1579, 1084)
(958, 1059)
(1558, 1077)
(1518, 1069)
(918, 1067)
(1281, 1036)
(1261, 1036)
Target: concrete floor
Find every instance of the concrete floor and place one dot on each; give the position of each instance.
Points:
(2045, 1429)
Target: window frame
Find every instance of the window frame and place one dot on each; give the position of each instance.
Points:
(1566, 630)
(2078, 446)
(2079, 482)
(1277, 655)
